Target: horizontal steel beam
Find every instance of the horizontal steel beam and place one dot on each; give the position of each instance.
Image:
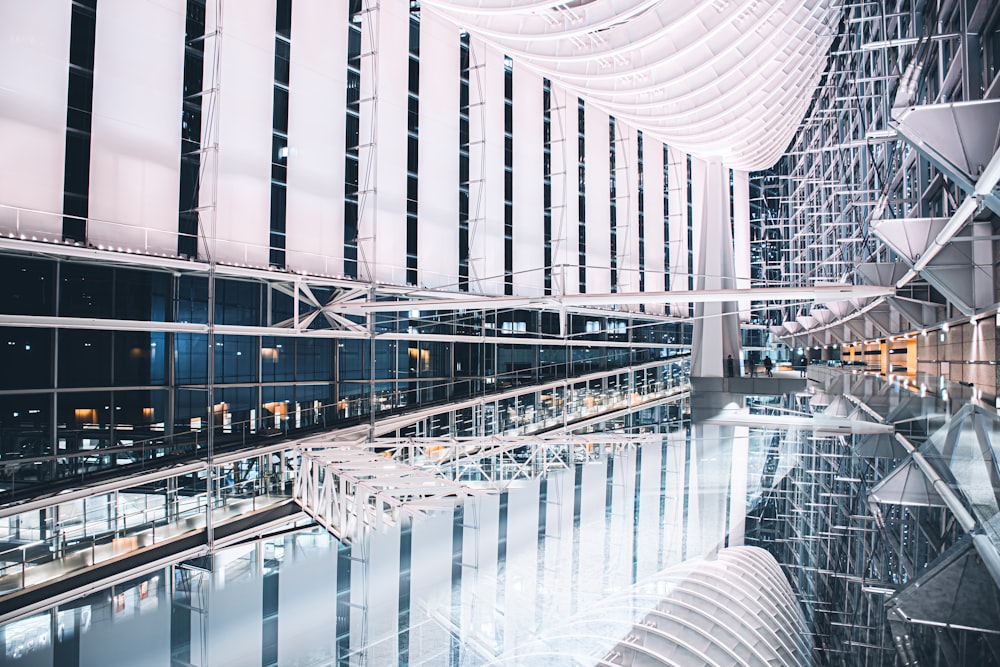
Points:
(818, 293)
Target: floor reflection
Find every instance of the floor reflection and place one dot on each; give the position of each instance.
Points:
(476, 584)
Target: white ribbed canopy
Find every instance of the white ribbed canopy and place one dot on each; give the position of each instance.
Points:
(725, 79)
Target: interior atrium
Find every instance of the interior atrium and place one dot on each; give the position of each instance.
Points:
(499, 332)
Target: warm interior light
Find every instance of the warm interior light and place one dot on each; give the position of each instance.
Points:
(277, 408)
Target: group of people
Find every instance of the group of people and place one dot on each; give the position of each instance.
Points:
(751, 365)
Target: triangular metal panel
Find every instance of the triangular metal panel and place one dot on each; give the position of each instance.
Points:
(954, 273)
(906, 485)
(857, 328)
(881, 445)
(860, 415)
(909, 237)
(880, 319)
(882, 274)
(840, 308)
(918, 313)
(954, 590)
(861, 302)
(807, 321)
(838, 407)
(962, 136)
(963, 452)
(912, 406)
(822, 315)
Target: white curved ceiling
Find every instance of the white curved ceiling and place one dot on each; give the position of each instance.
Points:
(729, 79)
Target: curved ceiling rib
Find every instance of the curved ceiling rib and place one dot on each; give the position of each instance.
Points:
(726, 79)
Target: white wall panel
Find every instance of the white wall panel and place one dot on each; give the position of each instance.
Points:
(699, 176)
(430, 561)
(234, 634)
(741, 235)
(559, 509)
(430, 584)
(245, 103)
(652, 155)
(381, 600)
(598, 201)
(477, 165)
(490, 228)
(317, 84)
(135, 147)
(565, 207)
(627, 163)
(307, 594)
(529, 189)
(479, 554)
(34, 79)
(382, 192)
(649, 532)
(521, 567)
(130, 628)
(437, 236)
(738, 493)
(678, 224)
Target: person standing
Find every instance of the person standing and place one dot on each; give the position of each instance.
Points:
(730, 366)
(767, 366)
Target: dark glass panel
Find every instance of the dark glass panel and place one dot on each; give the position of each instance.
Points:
(29, 286)
(139, 358)
(26, 358)
(84, 358)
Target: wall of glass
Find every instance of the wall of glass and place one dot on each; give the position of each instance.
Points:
(79, 400)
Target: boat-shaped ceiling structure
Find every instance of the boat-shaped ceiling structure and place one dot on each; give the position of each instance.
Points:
(723, 79)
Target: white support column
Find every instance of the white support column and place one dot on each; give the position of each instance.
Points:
(314, 236)
(34, 80)
(716, 327)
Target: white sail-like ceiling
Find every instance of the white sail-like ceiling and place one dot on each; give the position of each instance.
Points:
(727, 79)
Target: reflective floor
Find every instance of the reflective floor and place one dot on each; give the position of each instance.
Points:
(494, 580)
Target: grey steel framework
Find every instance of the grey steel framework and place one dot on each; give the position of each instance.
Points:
(892, 177)
(888, 539)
